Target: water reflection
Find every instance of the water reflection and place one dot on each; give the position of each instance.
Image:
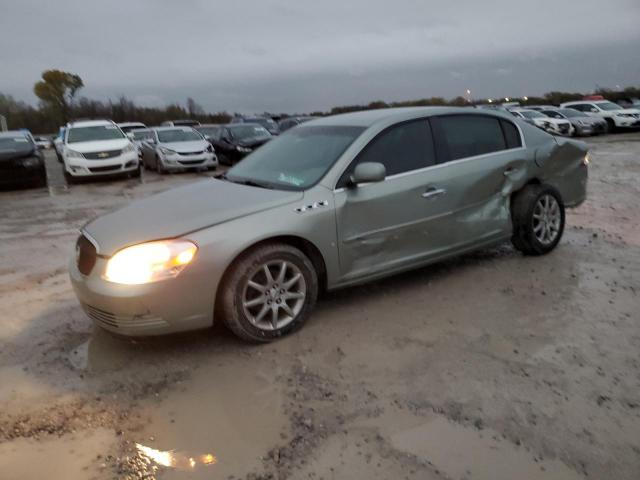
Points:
(178, 460)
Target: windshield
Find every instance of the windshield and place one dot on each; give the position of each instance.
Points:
(532, 114)
(15, 143)
(91, 134)
(178, 135)
(142, 134)
(571, 113)
(128, 128)
(211, 131)
(245, 132)
(297, 159)
(609, 106)
(265, 122)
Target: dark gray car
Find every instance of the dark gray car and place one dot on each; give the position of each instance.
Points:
(334, 202)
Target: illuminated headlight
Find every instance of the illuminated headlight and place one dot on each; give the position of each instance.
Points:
(150, 262)
(167, 151)
(73, 154)
(243, 149)
(586, 159)
(129, 148)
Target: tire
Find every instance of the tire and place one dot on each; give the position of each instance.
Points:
(249, 322)
(159, 167)
(69, 178)
(137, 172)
(224, 160)
(533, 235)
(611, 126)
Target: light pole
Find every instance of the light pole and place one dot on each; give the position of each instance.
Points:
(3, 123)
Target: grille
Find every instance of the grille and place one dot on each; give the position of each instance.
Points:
(564, 128)
(192, 153)
(111, 168)
(110, 320)
(190, 162)
(85, 255)
(102, 155)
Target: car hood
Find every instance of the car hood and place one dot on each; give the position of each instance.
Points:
(186, 147)
(182, 210)
(17, 154)
(100, 145)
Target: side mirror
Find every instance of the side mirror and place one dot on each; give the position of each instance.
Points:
(207, 138)
(368, 172)
(130, 135)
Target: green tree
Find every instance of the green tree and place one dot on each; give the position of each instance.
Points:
(57, 90)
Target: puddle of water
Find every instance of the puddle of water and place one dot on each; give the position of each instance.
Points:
(17, 386)
(462, 452)
(232, 413)
(72, 457)
(102, 353)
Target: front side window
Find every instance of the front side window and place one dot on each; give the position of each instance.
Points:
(295, 160)
(92, 134)
(178, 135)
(249, 132)
(462, 136)
(552, 114)
(401, 148)
(608, 106)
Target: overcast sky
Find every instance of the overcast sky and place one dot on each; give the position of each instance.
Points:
(303, 55)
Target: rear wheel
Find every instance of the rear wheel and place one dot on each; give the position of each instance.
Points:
(269, 292)
(538, 219)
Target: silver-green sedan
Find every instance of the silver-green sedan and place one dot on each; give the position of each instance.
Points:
(334, 202)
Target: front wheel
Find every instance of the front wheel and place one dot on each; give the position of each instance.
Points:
(269, 292)
(538, 217)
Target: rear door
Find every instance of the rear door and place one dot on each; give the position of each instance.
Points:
(481, 158)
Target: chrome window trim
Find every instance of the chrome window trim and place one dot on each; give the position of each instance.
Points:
(438, 165)
(92, 240)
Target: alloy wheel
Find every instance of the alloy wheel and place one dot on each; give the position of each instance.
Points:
(274, 295)
(547, 219)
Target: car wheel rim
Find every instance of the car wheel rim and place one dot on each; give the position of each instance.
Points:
(546, 219)
(274, 295)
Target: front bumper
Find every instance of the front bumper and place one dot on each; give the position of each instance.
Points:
(626, 122)
(159, 308)
(13, 172)
(182, 162)
(124, 163)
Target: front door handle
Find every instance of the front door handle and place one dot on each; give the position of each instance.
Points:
(434, 192)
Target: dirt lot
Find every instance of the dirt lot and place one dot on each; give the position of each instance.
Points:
(492, 366)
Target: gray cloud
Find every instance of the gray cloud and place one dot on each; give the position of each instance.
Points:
(254, 55)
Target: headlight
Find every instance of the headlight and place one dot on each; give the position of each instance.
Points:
(31, 162)
(546, 124)
(586, 159)
(243, 149)
(210, 149)
(167, 151)
(129, 148)
(73, 154)
(149, 262)
(625, 115)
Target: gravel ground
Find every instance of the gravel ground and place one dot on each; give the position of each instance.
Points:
(490, 366)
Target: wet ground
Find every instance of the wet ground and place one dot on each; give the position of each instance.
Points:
(491, 366)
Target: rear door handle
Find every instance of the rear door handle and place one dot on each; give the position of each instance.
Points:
(433, 192)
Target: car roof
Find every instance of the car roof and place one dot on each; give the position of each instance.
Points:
(14, 133)
(209, 125)
(171, 127)
(131, 124)
(369, 118)
(89, 123)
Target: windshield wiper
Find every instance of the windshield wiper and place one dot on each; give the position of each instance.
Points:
(248, 182)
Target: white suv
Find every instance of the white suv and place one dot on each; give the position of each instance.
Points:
(615, 115)
(97, 147)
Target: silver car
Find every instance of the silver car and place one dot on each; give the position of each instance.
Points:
(335, 202)
(177, 148)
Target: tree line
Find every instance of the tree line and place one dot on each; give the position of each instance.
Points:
(59, 103)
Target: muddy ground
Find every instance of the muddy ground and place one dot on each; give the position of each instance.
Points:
(491, 366)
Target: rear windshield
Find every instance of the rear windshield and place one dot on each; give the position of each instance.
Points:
(178, 135)
(92, 134)
(16, 143)
(245, 132)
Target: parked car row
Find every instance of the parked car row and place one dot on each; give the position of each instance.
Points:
(579, 118)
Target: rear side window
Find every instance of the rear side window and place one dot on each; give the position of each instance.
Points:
(462, 136)
(401, 148)
(511, 134)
